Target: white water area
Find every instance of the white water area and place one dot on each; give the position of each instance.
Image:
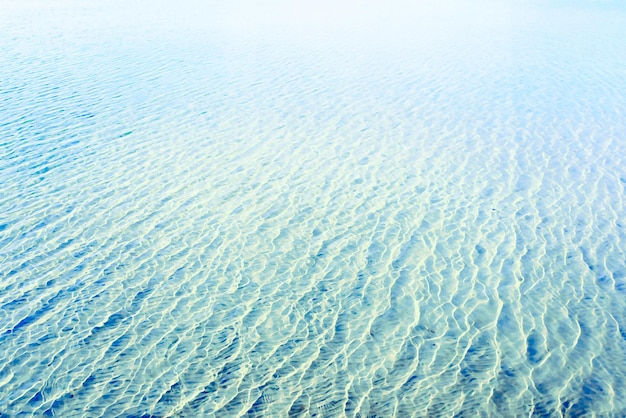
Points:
(270, 209)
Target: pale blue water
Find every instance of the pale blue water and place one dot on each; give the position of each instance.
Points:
(315, 210)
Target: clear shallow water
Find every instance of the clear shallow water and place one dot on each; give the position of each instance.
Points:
(264, 211)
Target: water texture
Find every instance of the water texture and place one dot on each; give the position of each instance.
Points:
(312, 211)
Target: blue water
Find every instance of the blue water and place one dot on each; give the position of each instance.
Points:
(315, 210)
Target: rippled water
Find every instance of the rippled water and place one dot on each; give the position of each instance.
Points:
(312, 211)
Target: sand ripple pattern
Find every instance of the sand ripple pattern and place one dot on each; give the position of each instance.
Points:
(199, 226)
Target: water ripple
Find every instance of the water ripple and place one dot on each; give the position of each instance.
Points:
(198, 223)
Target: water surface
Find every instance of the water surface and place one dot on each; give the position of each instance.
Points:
(270, 210)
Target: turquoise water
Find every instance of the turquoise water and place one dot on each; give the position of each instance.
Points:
(331, 210)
